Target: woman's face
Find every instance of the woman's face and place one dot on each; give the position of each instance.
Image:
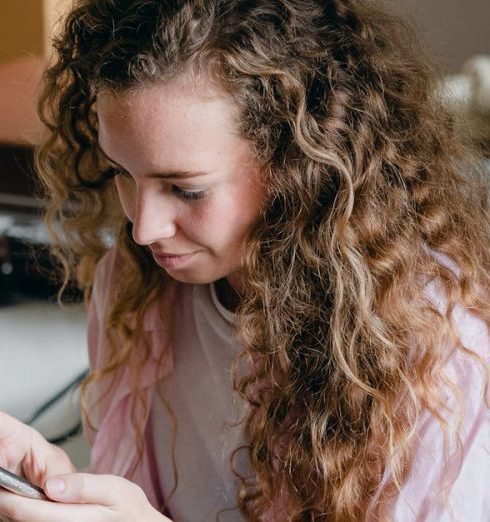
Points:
(187, 183)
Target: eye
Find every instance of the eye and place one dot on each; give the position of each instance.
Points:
(188, 194)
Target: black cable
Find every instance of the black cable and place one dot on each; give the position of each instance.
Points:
(68, 435)
(53, 400)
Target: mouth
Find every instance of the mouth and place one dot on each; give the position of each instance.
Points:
(170, 261)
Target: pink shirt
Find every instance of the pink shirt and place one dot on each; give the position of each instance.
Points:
(114, 451)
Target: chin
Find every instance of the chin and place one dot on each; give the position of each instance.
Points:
(193, 279)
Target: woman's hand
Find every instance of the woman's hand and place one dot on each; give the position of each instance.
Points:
(83, 497)
(25, 452)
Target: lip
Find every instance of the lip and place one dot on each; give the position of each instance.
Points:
(171, 260)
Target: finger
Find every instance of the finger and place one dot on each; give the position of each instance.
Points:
(87, 488)
(58, 461)
(26, 452)
(22, 509)
(14, 438)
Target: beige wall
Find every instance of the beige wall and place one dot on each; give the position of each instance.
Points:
(25, 26)
(21, 28)
(454, 30)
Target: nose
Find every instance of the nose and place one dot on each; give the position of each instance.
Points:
(153, 221)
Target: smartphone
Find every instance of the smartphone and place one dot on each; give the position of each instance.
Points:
(20, 486)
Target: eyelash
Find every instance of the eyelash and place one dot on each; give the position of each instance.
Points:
(188, 195)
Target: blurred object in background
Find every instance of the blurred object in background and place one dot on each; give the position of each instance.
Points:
(27, 28)
(450, 30)
(22, 235)
(42, 346)
(19, 87)
(26, 269)
(468, 96)
(7, 278)
(18, 180)
(43, 357)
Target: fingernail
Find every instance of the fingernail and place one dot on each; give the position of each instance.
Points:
(55, 486)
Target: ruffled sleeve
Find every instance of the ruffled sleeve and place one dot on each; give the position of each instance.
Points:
(460, 490)
(110, 401)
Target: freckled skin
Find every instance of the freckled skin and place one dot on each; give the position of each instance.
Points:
(174, 127)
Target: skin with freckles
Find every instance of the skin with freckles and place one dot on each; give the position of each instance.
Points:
(155, 136)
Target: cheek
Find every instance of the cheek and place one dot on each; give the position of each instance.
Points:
(229, 218)
(247, 202)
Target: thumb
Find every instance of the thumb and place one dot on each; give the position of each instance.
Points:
(86, 488)
(58, 488)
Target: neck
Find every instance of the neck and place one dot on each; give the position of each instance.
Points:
(227, 295)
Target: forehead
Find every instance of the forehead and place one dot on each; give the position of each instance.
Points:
(174, 121)
(180, 101)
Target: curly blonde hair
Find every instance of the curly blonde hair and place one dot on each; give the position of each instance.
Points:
(369, 188)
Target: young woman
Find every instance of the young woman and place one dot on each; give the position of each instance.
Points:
(284, 245)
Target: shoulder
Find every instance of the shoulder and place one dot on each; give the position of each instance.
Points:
(471, 329)
(464, 369)
(465, 365)
(449, 457)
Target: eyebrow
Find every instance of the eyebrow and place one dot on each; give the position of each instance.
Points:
(170, 174)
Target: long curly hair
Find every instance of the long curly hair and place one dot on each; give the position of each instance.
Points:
(373, 197)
